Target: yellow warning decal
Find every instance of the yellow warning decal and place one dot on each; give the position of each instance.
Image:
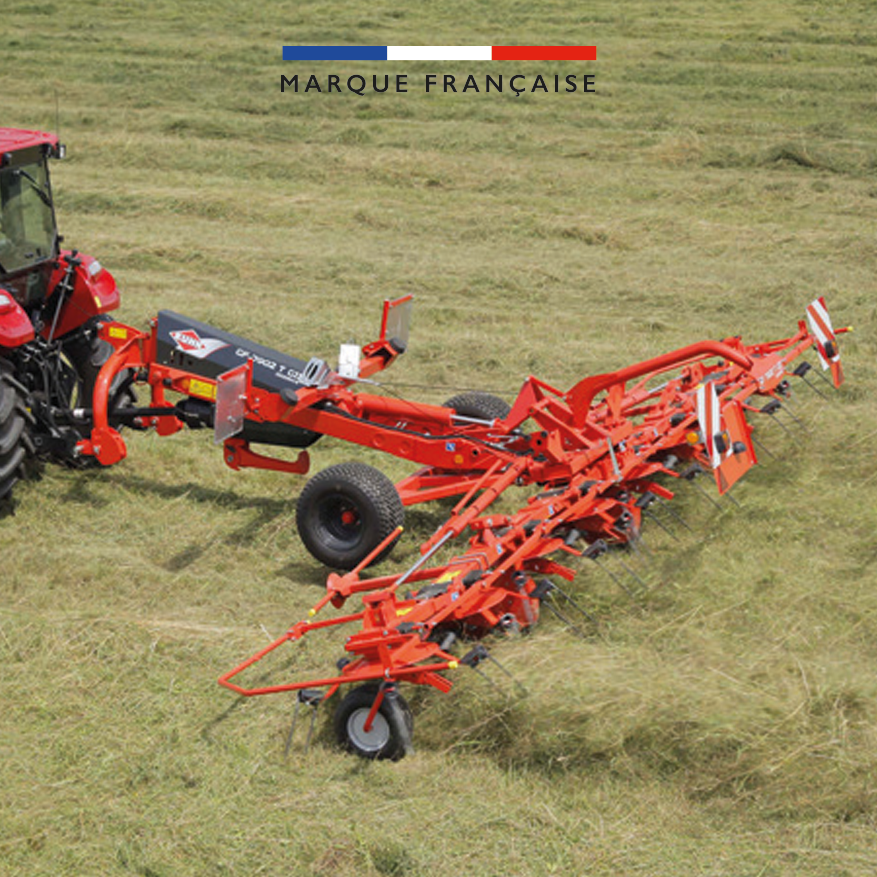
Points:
(445, 577)
(401, 612)
(201, 388)
(118, 332)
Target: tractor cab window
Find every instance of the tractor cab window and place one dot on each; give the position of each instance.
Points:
(27, 220)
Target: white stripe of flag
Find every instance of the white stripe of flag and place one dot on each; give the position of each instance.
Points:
(439, 53)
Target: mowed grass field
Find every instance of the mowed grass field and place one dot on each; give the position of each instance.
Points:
(723, 176)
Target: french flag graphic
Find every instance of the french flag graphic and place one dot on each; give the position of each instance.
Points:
(439, 53)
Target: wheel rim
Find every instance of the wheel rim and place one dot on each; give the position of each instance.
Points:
(371, 741)
(341, 520)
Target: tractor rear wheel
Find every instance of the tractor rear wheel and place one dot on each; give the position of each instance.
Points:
(483, 406)
(15, 442)
(389, 736)
(345, 512)
(88, 353)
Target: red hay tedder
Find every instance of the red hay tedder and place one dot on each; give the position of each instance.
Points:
(595, 458)
(595, 466)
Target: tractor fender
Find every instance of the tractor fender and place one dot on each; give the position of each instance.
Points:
(15, 326)
(94, 292)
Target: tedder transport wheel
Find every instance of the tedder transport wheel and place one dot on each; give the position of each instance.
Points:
(14, 439)
(390, 733)
(345, 512)
(480, 405)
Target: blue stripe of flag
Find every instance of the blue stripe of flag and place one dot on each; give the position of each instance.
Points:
(334, 53)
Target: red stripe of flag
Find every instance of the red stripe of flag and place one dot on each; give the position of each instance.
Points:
(544, 53)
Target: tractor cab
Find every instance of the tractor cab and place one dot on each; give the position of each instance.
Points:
(28, 231)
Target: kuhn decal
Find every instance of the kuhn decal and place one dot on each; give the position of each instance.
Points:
(191, 343)
(285, 372)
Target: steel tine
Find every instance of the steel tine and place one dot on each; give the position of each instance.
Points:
(814, 388)
(491, 682)
(732, 499)
(486, 678)
(291, 728)
(583, 612)
(764, 448)
(566, 621)
(576, 606)
(788, 409)
(785, 399)
(520, 685)
(630, 571)
(661, 524)
(784, 428)
(705, 495)
(474, 657)
(638, 544)
(677, 516)
(821, 375)
(616, 579)
(312, 699)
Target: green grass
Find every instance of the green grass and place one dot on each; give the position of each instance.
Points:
(724, 174)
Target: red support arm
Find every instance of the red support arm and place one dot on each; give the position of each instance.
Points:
(582, 394)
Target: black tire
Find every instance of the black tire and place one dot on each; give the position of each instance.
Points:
(484, 406)
(15, 443)
(390, 734)
(345, 512)
(88, 354)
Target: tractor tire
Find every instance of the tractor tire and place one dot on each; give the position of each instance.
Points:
(15, 442)
(88, 354)
(483, 406)
(390, 734)
(345, 512)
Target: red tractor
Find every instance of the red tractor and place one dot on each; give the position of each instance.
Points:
(52, 302)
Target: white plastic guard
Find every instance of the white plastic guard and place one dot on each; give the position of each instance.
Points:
(231, 396)
(348, 360)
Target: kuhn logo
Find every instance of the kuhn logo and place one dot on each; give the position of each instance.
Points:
(190, 342)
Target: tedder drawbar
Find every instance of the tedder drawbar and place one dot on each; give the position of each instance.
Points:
(595, 459)
(69, 379)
